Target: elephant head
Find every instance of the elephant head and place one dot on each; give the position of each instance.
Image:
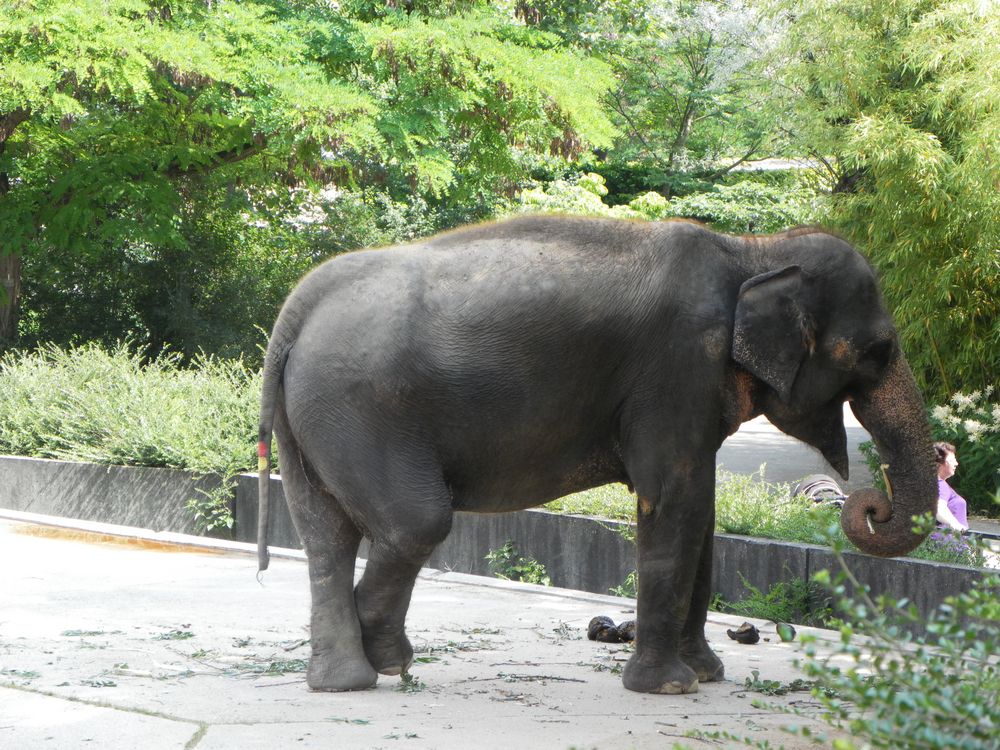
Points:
(815, 332)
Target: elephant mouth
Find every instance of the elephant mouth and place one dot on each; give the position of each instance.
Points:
(823, 430)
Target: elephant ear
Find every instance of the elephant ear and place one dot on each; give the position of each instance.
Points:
(771, 332)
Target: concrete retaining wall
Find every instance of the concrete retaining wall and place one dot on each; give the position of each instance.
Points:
(126, 495)
(589, 554)
(578, 553)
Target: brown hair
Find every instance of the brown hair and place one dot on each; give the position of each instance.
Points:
(941, 451)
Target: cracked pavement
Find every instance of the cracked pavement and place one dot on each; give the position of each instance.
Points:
(162, 642)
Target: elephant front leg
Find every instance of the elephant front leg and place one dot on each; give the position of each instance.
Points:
(695, 650)
(670, 540)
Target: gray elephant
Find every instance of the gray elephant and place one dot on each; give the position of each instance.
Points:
(500, 366)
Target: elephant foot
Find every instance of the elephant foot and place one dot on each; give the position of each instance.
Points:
(704, 662)
(327, 673)
(389, 655)
(672, 678)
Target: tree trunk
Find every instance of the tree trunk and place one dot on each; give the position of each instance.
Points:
(10, 276)
(10, 279)
(683, 133)
(10, 264)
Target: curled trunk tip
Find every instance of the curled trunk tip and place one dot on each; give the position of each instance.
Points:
(893, 411)
(868, 521)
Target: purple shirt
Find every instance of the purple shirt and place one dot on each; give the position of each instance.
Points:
(956, 503)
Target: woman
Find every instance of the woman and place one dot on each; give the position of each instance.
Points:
(951, 507)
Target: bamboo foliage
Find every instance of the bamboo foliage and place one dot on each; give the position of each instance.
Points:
(900, 100)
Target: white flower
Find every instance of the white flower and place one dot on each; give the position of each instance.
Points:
(996, 415)
(941, 413)
(961, 400)
(973, 428)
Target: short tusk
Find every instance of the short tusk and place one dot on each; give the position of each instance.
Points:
(871, 528)
(888, 484)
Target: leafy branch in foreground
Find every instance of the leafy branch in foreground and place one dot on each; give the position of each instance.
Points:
(880, 683)
(940, 690)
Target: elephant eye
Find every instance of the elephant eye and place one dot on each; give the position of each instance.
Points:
(880, 352)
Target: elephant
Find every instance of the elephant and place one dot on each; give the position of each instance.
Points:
(499, 366)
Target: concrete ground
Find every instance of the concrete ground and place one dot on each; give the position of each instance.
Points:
(108, 642)
(786, 459)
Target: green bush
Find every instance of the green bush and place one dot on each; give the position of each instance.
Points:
(744, 504)
(508, 563)
(937, 691)
(798, 601)
(747, 504)
(110, 406)
(748, 205)
(612, 501)
(212, 290)
(882, 687)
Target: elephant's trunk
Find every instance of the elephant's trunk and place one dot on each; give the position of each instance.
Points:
(893, 412)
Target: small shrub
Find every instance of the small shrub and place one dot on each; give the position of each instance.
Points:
(881, 687)
(938, 691)
(509, 564)
(611, 501)
(798, 601)
(748, 205)
(955, 549)
(747, 504)
(629, 587)
(744, 504)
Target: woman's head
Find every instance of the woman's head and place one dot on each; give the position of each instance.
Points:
(947, 461)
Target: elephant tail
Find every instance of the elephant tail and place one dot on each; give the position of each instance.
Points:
(274, 365)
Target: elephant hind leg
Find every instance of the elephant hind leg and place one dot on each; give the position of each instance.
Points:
(331, 541)
(399, 549)
(383, 597)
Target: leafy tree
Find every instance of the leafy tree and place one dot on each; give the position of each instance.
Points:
(460, 96)
(593, 24)
(688, 95)
(898, 102)
(111, 110)
(162, 143)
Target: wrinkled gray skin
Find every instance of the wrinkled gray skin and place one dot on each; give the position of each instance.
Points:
(498, 367)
